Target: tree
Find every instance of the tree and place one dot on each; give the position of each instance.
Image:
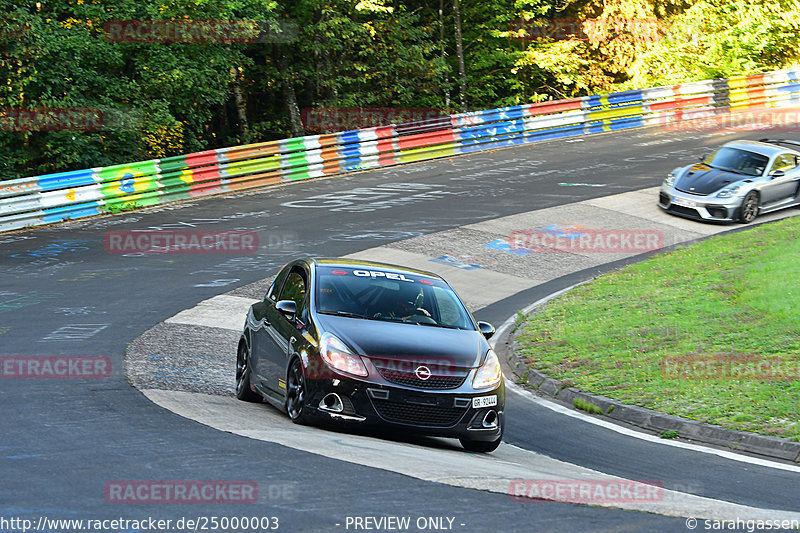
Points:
(723, 38)
(155, 99)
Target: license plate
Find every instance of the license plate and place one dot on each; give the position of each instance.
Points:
(684, 202)
(484, 401)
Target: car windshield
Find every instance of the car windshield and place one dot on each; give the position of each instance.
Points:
(390, 296)
(737, 160)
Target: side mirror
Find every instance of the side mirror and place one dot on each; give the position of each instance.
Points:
(288, 308)
(487, 329)
(777, 174)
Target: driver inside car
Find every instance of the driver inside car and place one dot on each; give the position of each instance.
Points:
(410, 304)
(404, 304)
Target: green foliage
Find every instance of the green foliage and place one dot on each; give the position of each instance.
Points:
(169, 98)
(493, 59)
(156, 99)
(587, 406)
(519, 319)
(365, 54)
(723, 38)
(121, 207)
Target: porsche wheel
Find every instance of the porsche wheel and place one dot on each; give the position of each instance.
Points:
(749, 208)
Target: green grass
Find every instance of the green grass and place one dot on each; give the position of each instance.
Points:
(587, 406)
(116, 208)
(519, 319)
(728, 297)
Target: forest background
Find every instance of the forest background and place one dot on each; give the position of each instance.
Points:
(90, 83)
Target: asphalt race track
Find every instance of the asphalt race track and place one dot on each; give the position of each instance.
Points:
(65, 441)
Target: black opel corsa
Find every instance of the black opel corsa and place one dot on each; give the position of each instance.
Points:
(357, 342)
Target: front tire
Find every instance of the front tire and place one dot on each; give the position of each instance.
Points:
(749, 208)
(296, 394)
(243, 390)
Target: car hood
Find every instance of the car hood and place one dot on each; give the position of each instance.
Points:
(402, 341)
(702, 179)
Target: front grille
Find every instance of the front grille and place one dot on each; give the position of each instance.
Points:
(664, 199)
(410, 379)
(717, 212)
(440, 378)
(684, 210)
(418, 415)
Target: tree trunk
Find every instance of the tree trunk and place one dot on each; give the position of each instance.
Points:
(241, 111)
(444, 54)
(462, 74)
(289, 96)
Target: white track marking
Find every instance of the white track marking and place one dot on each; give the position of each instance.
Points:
(435, 460)
(223, 311)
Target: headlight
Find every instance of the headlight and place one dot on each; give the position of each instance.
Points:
(729, 192)
(489, 374)
(339, 357)
(670, 181)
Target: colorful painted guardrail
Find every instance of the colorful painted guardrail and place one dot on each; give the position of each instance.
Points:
(68, 195)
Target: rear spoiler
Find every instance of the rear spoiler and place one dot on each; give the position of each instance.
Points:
(780, 141)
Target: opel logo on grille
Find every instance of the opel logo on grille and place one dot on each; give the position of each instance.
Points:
(423, 372)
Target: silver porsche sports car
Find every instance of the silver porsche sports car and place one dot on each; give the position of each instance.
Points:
(739, 181)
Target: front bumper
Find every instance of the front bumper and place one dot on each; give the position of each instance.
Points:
(698, 207)
(444, 413)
